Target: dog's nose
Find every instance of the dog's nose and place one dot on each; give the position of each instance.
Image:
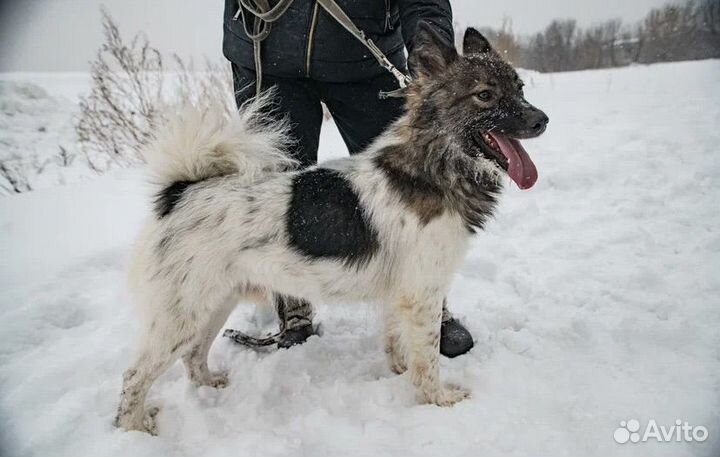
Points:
(539, 122)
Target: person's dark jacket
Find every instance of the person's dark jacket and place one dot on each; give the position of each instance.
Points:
(306, 42)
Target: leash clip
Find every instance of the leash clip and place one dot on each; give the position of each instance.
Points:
(397, 93)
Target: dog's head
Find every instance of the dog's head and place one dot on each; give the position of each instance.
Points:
(478, 99)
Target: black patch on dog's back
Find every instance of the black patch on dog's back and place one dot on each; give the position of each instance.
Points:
(325, 218)
(170, 196)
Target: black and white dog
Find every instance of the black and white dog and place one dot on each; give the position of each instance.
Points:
(234, 221)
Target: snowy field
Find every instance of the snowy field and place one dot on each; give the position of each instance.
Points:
(594, 298)
(37, 139)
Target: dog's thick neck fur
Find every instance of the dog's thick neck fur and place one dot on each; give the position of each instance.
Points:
(431, 173)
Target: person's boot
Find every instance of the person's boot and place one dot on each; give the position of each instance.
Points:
(296, 335)
(455, 339)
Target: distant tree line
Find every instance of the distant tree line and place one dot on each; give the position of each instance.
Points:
(687, 31)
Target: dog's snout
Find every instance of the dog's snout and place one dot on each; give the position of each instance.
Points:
(538, 122)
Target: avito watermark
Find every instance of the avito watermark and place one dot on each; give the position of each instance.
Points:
(680, 432)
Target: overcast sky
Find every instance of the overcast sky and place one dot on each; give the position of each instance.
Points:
(63, 35)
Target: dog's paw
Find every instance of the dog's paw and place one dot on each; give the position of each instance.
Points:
(396, 362)
(447, 395)
(149, 422)
(394, 356)
(217, 379)
(145, 424)
(398, 366)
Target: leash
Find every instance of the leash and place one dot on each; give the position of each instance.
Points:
(247, 340)
(264, 16)
(276, 338)
(334, 10)
(258, 343)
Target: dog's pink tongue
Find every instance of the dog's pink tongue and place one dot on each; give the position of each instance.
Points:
(520, 167)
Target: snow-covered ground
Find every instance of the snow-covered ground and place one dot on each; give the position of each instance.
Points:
(594, 299)
(37, 139)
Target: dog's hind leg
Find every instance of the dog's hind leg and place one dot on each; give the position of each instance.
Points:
(420, 319)
(166, 340)
(195, 360)
(196, 364)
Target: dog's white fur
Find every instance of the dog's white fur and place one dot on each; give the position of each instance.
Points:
(226, 241)
(205, 141)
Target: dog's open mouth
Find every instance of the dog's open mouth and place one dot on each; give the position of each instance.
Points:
(511, 156)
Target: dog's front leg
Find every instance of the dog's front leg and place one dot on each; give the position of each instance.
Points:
(421, 315)
(393, 344)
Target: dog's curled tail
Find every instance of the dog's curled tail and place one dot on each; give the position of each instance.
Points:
(202, 142)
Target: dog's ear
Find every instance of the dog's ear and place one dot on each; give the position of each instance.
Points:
(432, 53)
(475, 43)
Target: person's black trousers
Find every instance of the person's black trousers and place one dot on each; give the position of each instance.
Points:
(358, 112)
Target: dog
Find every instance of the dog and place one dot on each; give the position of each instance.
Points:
(235, 221)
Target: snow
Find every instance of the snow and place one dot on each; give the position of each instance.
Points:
(37, 138)
(593, 298)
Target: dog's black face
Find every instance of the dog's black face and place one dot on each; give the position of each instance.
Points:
(478, 98)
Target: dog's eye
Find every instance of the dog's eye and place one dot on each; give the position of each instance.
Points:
(485, 95)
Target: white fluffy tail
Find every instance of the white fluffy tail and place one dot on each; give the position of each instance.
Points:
(202, 142)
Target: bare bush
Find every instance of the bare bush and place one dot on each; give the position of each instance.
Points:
(13, 177)
(214, 82)
(122, 110)
(18, 174)
(131, 90)
(64, 158)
